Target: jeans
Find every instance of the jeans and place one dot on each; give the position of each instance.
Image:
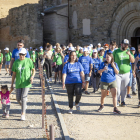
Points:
(48, 66)
(71, 89)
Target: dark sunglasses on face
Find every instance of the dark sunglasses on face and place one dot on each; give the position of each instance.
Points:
(21, 54)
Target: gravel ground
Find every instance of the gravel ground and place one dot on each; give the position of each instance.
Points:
(12, 128)
(88, 124)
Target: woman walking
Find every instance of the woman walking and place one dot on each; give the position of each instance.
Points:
(109, 69)
(24, 72)
(73, 78)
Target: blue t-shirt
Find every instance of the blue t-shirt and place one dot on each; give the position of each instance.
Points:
(109, 75)
(106, 52)
(73, 72)
(66, 58)
(96, 63)
(15, 54)
(86, 61)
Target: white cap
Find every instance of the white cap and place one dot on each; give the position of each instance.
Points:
(33, 51)
(41, 48)
(6, 49)
(94, 50)
(85, 50)
(101, 48)
(67, 46)
(54, 47)
(71, 49)
(22, 50)
(99, 44)
(91, 45)
(30, 47)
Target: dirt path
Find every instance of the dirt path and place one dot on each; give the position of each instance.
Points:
(88, 124)
(12, 128)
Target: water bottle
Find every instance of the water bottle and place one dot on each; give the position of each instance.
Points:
(106, 65)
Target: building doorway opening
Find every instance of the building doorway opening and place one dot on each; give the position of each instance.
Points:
(135, 41)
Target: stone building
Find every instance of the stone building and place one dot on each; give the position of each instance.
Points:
(78, 21)
(94, 21)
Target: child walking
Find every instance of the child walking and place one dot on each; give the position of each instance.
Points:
(5, 100)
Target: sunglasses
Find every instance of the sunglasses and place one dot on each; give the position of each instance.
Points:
(21, 54)
(20, 45)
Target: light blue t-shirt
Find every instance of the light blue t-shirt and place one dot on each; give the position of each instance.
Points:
(86, 61)
(73, 72)
(109, 75)
(66, 58)
(96, 63)
(15, 54)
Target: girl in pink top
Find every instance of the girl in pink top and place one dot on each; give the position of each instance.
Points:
(5, 100)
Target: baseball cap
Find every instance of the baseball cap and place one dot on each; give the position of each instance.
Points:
(101, 48)
(33, 51)
(30, 47)
(132, 49)
(85, 50)
(99, 44)
(94, 50)
(6, 49)
(71, 49)
(22, 50)
(125, 41)
(41, 48)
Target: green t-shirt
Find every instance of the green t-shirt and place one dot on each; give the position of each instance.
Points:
(30, 52)
(36, 54)
(23, 72)
(33, 56)
(91, 53)
(8, 56)
(41, 53)
(123, 61)
(79, 55)
(1, 57)
(101, 57)
(58, 59)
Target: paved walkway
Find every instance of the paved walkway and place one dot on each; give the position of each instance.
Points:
(88, 124)
(12, 128)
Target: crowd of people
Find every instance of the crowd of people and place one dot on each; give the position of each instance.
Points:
(112, 68)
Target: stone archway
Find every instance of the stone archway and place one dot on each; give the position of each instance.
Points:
(125, 20)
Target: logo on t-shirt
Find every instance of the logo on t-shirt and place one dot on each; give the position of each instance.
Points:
(20, 68)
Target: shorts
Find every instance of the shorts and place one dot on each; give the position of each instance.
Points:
(106, 86)
(7, 63)
(58, 68)
(87, 78)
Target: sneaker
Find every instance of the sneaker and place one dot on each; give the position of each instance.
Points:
(3, 116)
(22, 117)
(60, 83)
(48, 80)
(86, 92)
(6, 73)
(83, 90)
(7, 116)
(139, 105)
(134, 93)
(118, 103)
(129, 96)
(116, 111)
(101, 108)
(70, 111)
(77, 107)
(54, 82)
(123, 104)
(90, 86)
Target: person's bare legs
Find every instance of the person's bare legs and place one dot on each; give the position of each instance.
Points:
(86, 85)
(0, 67)
(103, 95)
(6, 68)
(114, 96)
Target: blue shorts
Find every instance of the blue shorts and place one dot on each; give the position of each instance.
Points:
(87, 78)
(58, 68)
(7, 62)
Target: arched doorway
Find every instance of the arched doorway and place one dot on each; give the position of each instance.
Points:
(135, 40)
(126, 22)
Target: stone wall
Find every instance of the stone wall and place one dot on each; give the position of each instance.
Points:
(102, 15)
(6, 5)
(23, 22)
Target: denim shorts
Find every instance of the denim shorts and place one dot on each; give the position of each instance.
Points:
(87, 78)
(58, 68)
(7, 63)
(130, 82)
